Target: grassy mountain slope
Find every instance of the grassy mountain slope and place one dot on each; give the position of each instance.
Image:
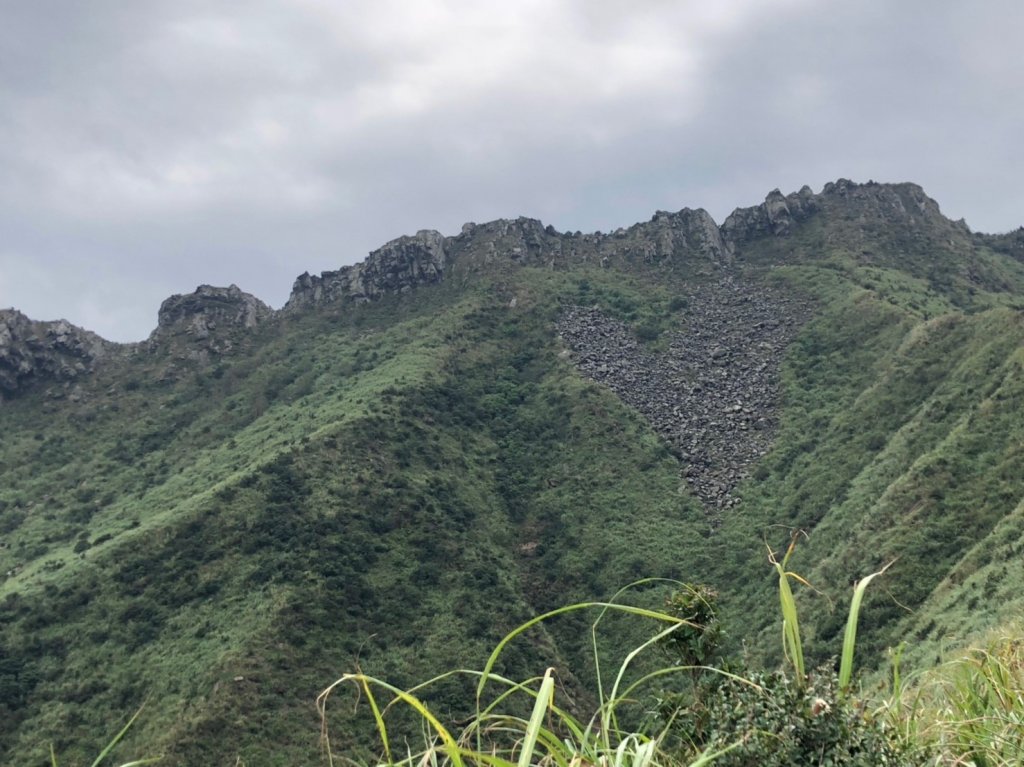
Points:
(396, 484)
(365, 486)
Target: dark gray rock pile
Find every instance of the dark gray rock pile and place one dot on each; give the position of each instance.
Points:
(714, 394)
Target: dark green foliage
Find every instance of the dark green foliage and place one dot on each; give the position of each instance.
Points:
(778, 723)
(697, 644)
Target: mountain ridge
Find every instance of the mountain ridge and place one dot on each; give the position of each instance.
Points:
(226, 517)
(209, 315)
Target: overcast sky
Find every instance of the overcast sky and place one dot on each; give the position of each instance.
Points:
(149, 146)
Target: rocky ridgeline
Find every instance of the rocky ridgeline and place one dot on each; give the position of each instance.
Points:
(713, 395)
(689, 236)
(56, 351)
(427, 257)
(688, 240)
(397, 267)
(899, 203)
(208, 319)
(777, 216)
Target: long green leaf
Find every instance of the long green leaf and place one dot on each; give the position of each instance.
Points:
(850, 635)
(790, 625)
(117, 739)
(709, 757)
(379, 719)
(540, 707)
(560, 611)
(363, 680)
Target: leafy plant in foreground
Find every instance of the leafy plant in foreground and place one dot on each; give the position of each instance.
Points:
(777, 719)
(499, 736)
(758, 718)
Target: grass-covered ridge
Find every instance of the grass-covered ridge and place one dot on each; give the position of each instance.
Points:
(394, 486)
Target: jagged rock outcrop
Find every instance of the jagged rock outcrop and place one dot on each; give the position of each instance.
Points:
(859, 215)
(713, 395)
(689, 236)
(777, 215)
(519, 241)
(32, 351)
(209, 317)
(397, 267)
(903, 203)
(870, 203)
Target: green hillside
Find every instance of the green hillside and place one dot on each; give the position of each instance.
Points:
(220, 523)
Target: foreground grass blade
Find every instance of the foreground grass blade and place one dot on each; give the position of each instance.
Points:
(708, 758)
(850, 635)
(791, 643)
(110, 747)
(364, 681)
(496, 653)
(540, 707)
(379, 719)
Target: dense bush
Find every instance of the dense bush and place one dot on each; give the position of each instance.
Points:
(770, 720)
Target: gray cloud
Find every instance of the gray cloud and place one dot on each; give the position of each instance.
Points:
(149, 147)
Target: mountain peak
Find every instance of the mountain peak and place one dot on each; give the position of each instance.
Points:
(31, 350)
(209, 315)
(901, 203)
(395, 267)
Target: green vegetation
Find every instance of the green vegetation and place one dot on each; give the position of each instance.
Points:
(394, 487)
(726, 715)
(969, 710)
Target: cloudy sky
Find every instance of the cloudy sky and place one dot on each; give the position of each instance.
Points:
(149, 146)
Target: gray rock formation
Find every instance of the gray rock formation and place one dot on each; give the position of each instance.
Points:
(32, 351)
(903, 204)
(397, 267)
(777, 216)
(689, 236)
(209, 317)
(209, 320)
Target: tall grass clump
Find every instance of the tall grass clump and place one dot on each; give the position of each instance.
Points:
(789, 716)
(697, 708)
(518, 724)
(970, 710)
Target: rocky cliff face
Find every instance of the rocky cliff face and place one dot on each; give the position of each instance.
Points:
(777, 215)
(397, 267)
(898, 203)
(426, 257)
(905, 205)
(33, 351)
(208, 318)
(686, 238)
